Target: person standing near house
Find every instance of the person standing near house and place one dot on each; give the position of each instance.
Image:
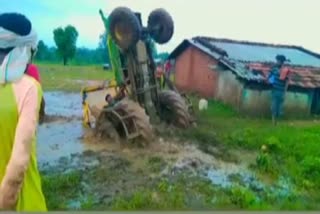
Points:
(20, 97)
(279, 78)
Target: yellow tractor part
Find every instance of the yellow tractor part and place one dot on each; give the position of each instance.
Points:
(94, 100)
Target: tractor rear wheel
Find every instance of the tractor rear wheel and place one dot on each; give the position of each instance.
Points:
(174, 109)
(139, 117)
(125, 28)
(105, 129)
(136, 121)
(160, 26)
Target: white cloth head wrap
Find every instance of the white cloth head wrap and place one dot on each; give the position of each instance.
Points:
(14, 64)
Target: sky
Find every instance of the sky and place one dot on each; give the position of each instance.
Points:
(293, 22)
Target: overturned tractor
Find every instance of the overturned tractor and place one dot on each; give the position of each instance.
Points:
(129, 106)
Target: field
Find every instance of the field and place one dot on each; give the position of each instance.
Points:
(70, 78)
(220, 164)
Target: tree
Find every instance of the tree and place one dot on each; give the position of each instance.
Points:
(163, 56)
(102, 49)
(43, 51)
(154, 48)
(66, 40)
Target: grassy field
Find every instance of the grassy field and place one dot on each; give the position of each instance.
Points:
(70, 78)
(292, 148)
(292, 151)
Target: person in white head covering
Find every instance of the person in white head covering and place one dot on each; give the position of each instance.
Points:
(20, 97)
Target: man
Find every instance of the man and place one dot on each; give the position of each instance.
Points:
(20, 97)
(279, 78)
(109, 99)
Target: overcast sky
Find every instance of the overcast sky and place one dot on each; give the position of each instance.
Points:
(274, 21)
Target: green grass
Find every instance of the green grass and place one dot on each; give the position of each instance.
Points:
(293, 147)
(194, 193)
(71, 77)
(59, 189)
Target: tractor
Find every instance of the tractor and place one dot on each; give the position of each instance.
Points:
(130, 105)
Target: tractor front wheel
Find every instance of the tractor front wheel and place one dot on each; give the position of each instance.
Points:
(125, 28)
(160, 26)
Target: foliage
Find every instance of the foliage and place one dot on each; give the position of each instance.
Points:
(242, 197)
(162, 56)
(45, 53)
(311, 167)
(102, 49)
(55, 186)
(66, 40)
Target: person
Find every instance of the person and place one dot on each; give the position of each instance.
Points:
(20, 95)
(279, 79)
(109, 99)
(159, 74)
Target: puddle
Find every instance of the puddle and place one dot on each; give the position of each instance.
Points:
(228, 177)
(59, 139)
(64, 134)
(63, 104)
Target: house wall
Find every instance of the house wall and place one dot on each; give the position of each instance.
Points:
(192, 73)
(229, 89)
(257, 102)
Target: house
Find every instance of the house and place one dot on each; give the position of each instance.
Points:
(235, 73)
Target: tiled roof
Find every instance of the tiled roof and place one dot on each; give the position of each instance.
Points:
(300, 76)
(252, 61)
(260, 52)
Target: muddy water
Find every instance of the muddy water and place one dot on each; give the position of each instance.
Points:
(63, 104)
(66, 136)
(63, 134)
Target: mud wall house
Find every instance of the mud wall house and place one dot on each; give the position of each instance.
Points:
(235, 72)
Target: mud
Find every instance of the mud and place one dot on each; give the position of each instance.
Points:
(108, 168)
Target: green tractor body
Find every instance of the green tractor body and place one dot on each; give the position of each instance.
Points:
(139, 102)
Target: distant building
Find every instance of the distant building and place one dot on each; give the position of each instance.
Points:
(235, 72)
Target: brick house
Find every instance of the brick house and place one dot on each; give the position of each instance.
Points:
(235, 73)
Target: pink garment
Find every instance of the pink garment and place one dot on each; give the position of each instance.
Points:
(26, 94)
(168, 66)
(33, 71)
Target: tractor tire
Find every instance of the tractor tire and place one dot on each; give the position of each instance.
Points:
(160, 26)
(174, 109)
(140, 117)
(125, 28)
(105, 129)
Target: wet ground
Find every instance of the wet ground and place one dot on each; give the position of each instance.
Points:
(109, 169)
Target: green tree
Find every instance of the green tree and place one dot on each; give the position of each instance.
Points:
(43, 51)
(154, 49)
(102, 49)
(163, 56)
(66, 40)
